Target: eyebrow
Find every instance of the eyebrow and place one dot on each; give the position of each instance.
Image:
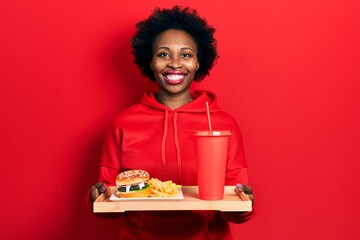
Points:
(166, 48)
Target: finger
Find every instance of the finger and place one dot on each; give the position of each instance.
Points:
(251, 196)
(241, 194)
(94, 194)
(239, 186)
(101, 187)
(242, 190)
(108, 192)
(247, 189)
(249, 192)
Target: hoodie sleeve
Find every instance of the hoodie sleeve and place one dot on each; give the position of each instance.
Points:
(236, 167)
(110, 164)
(110, 161)
(236, 172)
(238, 217)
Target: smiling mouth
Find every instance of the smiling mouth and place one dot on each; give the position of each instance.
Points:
(174, 79)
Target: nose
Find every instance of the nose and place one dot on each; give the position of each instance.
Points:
(175, 63)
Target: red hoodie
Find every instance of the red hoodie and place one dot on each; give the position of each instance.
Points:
(155, 138)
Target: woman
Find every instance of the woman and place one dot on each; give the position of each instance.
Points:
(172, 47)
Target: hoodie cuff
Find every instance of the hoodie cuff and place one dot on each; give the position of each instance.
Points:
(238, 217)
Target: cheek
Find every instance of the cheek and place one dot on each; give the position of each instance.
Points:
(194, 66)
(156, 66)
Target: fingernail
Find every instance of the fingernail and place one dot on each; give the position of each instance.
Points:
(239, 185)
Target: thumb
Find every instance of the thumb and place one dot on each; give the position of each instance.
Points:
(101, 187)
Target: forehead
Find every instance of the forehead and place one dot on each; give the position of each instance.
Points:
(175, 38)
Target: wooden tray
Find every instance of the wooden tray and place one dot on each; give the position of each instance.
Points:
(191, 201)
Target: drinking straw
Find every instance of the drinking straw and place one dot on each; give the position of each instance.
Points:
(208, 115)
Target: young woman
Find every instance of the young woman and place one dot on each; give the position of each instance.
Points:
(173, 47)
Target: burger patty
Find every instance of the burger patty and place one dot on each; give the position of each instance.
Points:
(132, 187)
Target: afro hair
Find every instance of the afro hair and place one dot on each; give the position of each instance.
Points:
(184, 19)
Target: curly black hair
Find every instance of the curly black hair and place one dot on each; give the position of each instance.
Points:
(184, 19)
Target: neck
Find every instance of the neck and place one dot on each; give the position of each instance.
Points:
(174, 102)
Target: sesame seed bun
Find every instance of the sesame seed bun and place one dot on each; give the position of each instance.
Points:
(131, 177)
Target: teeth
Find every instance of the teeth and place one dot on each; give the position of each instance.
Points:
(174, 77)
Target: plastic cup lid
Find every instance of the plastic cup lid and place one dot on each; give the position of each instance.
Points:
(212, 133)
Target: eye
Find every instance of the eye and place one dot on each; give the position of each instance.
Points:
(163, 54)
(186, 55)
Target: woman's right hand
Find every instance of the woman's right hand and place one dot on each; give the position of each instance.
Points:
(97, 189)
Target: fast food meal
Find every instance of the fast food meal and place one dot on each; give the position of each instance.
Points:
(137, 184)
(163, 189)
(132, 184)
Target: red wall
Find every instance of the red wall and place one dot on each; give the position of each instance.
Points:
(289, 72)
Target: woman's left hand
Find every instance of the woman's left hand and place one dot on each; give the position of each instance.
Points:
(245, 192)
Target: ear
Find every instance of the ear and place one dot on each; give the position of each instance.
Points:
(197, 66)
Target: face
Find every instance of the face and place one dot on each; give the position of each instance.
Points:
(174, 62)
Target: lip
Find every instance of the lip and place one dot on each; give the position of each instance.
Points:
(174, 77)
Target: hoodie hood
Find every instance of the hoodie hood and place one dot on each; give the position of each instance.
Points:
(197, 105)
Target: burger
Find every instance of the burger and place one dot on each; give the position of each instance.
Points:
(133, 184)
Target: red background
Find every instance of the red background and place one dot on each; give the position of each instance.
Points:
(289, 72)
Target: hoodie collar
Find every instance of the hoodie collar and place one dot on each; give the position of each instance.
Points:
(198, 105)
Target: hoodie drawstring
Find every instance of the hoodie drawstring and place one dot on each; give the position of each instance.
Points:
(177, 145)
(176, 140)
(163, 140)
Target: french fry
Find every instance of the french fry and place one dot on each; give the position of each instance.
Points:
(163, 189)
(161, 194)
(156, 184)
